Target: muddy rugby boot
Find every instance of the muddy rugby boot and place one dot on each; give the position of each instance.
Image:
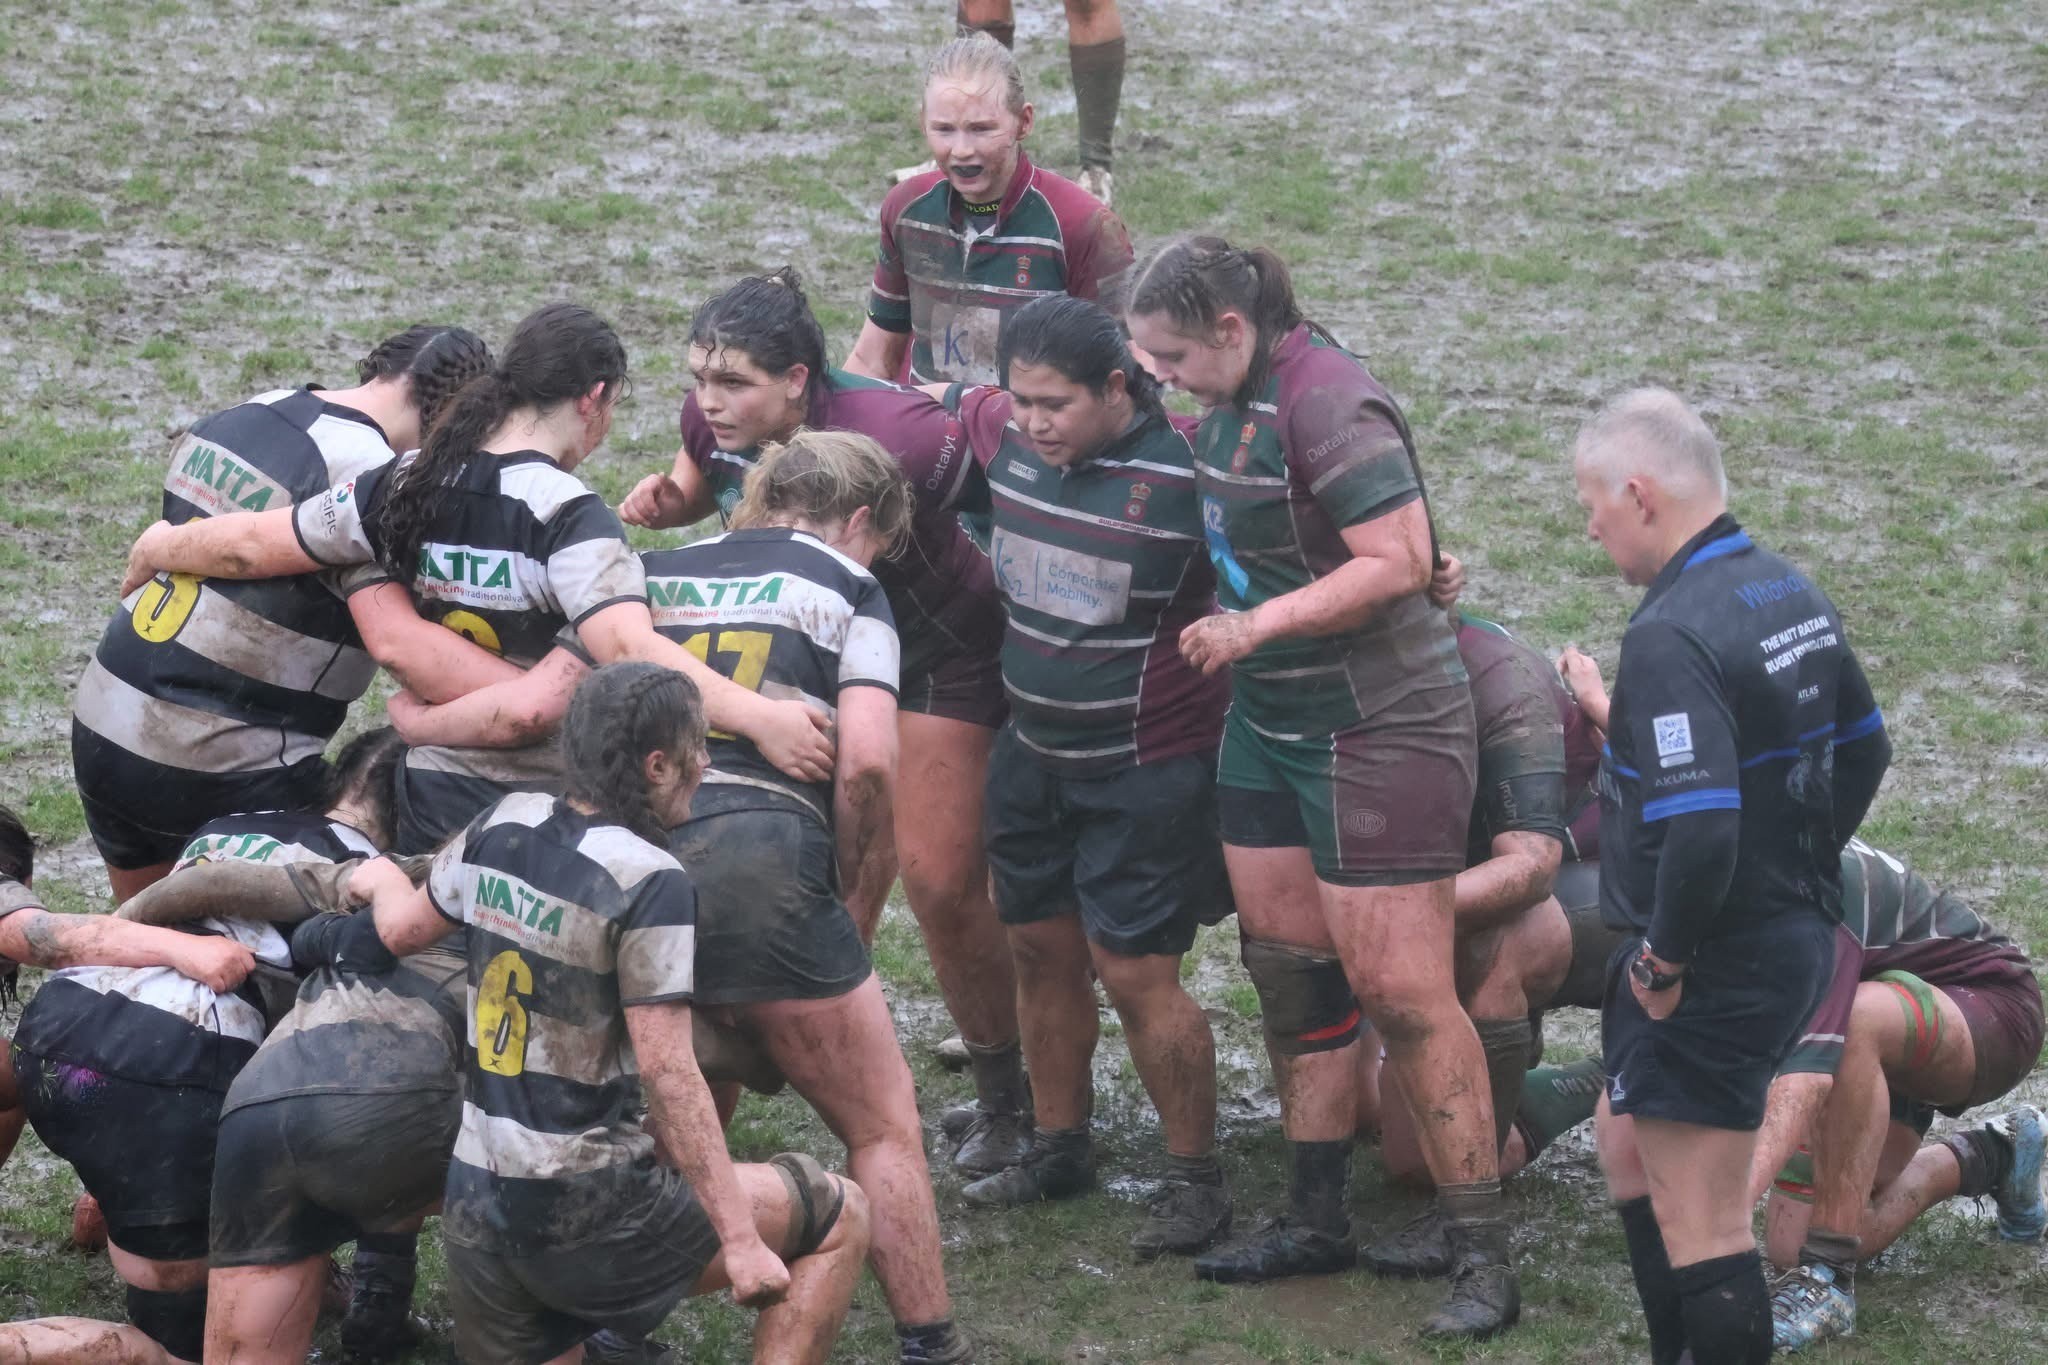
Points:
(379, 1323)
(606, 1347)
(1808, 1307)
(935, 1343)
(1420, 1249)
(2022, 1213)
(1485, 1298)
(1058, 1166)
(1098, 182)
(1280, 1248)
(1183, 1217)
(989, 1141)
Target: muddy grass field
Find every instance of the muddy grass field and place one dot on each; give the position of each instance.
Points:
(1828, 223)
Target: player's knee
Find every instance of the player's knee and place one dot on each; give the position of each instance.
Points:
(1305, 1000)
(174, 1319)
(818, 1201)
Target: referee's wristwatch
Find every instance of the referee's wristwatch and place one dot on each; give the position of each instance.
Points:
(1645, 972)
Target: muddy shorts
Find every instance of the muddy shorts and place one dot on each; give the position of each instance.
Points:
(1746, 998)
(302, 1174)
(1384, 803)
(523, 1310)
(2005, 1032)
(145, 1152)
(770, 924)
(141, 813)
(1133, 852)
(957, 686)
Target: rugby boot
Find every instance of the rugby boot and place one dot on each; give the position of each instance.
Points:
(1098, 182)
(1056, 1167)
(606, 1347)
(379, 1323)
(1182, 1218)
(338, 1292)
(1420, 1249)
(1280, 1247)
(1485, 1298)
(1808, 1307)
(938, 1343)
(2022, 1213)
(990, 1141)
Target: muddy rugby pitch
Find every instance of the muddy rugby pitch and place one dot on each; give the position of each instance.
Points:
(1828, 223)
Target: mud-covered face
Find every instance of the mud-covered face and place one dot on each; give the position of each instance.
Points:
(974, 137)
(1064, 420)
(1211, 368)
(745, 404)
(671, 781)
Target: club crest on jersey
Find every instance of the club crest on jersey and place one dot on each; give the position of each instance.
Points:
(1023, 271)
(1242, 456)
(1134, 510)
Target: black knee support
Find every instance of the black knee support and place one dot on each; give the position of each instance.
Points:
(175, 1320)
(1305, 1000)
(815, 1198)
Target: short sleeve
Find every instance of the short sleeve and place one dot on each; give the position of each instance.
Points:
(333, 527)
(444, 874)
(872, 654)
(1345, 450)
(657, 957)
(929, 442)
(889, 291)
(14, 896)
(590, 565)
(984, 413)
(1679, 728)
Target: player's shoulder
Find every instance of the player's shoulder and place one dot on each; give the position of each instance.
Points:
(924, 192)
(543, 486)
(1072, 207)
(626, 858)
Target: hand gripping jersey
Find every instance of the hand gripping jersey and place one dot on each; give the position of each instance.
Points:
(570, 921)
(780, 613)
(1521, 709)
(1101, 566)
(1322, 448)
(519, 550)
(940, 589)
(214, 676)
(152, 1025)
(950, 275)
(1736, 690)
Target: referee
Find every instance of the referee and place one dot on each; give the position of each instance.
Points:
(1744, 749)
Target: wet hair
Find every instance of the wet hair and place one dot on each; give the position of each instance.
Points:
(366, 772)
(1658, 431)
(767, 319)
(973, 59)
(1082, 341)
(17, 849)
(1193, 282)
(556, 355)
(620, 714)
(438, 361)
(827, 476)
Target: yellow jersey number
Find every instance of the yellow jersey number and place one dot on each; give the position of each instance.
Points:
(474, 629)
(165, 603)
(501, 1015)
(751, 646)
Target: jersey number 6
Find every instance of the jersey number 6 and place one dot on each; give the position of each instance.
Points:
(165, 602)
(501, 1016)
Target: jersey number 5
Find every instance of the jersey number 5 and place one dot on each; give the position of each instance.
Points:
(751, 646)
(165, 603)
(501, 1015)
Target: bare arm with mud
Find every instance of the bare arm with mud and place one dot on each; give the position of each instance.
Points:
(42, 938)
(863, 802)
(1518, 875)
(878, 352)
(523, 710)
(238, 545)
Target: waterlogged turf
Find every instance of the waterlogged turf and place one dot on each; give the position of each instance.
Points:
(1828, 223)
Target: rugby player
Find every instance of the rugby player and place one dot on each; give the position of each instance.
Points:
(981, 234)
(17, 864)
(1095, 57)
(1347, 771)
(785, 602)
(123, 1068)
(492, 533)
(1932, 1009)
(758, 356)
(1101, 815)
(1744, 747)
(563, 1213)
(208, 697)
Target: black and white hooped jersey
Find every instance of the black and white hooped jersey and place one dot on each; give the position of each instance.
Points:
(151, 1024)
(216, 676)
(780, 613)
(520, 549)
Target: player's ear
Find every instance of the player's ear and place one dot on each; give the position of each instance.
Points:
(795, 380)
(1025, 117)
(1639, 496)
(1116, 386)
(857, 525)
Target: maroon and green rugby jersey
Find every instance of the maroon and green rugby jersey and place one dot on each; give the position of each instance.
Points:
(1100, 566)
(1320, 449)
(940, 587)
(949, 273)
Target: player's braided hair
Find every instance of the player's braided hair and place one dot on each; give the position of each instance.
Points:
(438, 361)
(366, 771)
(977, 56)
(1082, 341)
(1193, 282)
(620, 714)
(556, 355)
(767, 319)
(827, 476)
(17, 849)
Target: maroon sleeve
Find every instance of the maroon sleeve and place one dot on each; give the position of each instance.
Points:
(1099, 255)
(928, 441)
(984, 410)
(889, 288)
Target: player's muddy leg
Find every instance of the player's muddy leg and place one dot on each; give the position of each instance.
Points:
(263, 1314)
(801, 1329)
(996, 18)
(1095, 58)
(85, 1341)
(126, 881)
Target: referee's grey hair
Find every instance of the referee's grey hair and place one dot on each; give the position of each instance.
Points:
(977, 57)
(1653, 430)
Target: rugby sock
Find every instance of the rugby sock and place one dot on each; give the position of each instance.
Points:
(1727, 1309)
(1506, 1045)
(1006, 34)
(1656, 1286)
(1557, 1099)
(1835, 1250)
(1194, 1170)
(1098, 70)
(389, 1257)
(999, 1077)
(1984, 1158)
(1072, 1142)
(923, 1341)
(1316, 1193)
